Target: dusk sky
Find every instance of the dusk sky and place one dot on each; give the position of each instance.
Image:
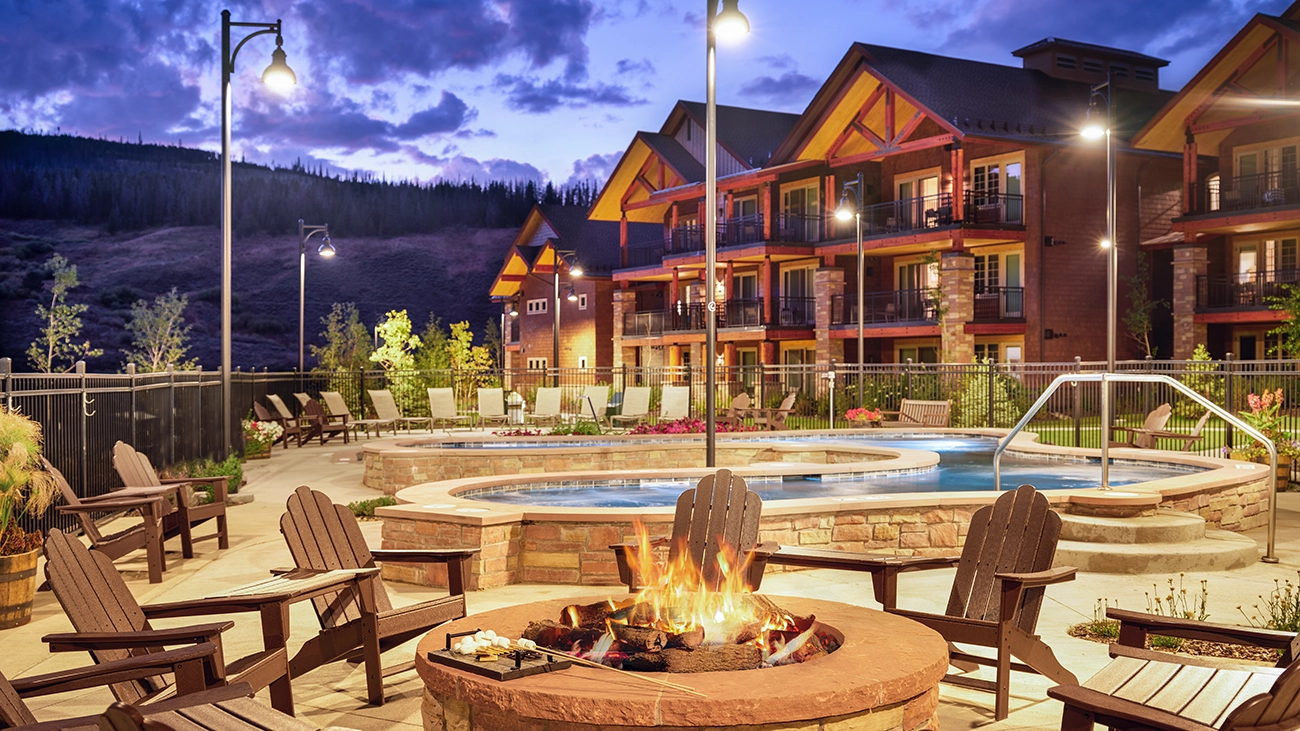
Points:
(544, 89)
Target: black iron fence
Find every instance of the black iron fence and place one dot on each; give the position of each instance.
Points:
(176, 416)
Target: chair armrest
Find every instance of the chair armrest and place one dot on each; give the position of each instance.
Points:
(1135, 626)
(654, 543)
(71, 641)
(857, 561)
(113, 671)
(109, 506)
(765, 549)
(1039, 578)
(183, 480)
(1162, 434)
(442, 555)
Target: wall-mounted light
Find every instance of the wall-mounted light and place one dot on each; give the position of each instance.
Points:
(1050, 241)
(1050, 334)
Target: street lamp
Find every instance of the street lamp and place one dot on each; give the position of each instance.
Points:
(730, 24)
(1095, 126)
(569, 258)
(326, 250)
(844, 213)
(279, 76)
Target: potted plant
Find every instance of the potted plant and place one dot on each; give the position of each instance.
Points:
(24, 488)
(1263, 415)
(259, 436)
(863, 417)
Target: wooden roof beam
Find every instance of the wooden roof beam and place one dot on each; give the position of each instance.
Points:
(1235, 122)
(924, 143)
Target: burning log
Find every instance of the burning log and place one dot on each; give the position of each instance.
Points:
(703, 659)
(561, 637)
(639, 639)
(640, 613)
(687, 640)
(586, 615)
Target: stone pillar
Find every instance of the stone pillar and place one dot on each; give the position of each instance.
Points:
(828, 282)
(624, 302)
(957, 278)
(1189, 263)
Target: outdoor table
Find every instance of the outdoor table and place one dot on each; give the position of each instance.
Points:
(275, 595)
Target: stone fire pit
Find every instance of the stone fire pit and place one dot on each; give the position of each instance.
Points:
(885, 675)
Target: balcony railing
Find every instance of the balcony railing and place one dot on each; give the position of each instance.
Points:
(738, 231)
(643, 324)
(1235, 291)
(690, 318)
(742, 313)
(796, 311)
(935, 211)
(999, 303)
(883, 308)
(1246, 192)
(799, 229)
(646, 253)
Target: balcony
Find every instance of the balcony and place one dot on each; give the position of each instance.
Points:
(799, 229)
(1243, 291)
(738, 231)
(999, 303)
(1246, 193)
(796, 311)
(909, 215)
(512, 331)
(885, 308)
(682, 317)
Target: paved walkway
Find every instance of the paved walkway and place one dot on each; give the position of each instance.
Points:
(335, 695)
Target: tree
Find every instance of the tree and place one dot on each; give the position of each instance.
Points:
(1288, 332)
(433, 354)
(1141, 307)
(347, 341)
(397, 352)
(471, 362)
(492, 340)
(1201, 374)
(62, 324)
(160, 333)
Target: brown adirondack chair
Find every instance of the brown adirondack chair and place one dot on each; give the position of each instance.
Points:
(1141, 437)
(323, 536)
(292, 430)
(136, 470)
(324, 424)
(774, 419)
(1142, 689)
(187, 663)
(1189, 439)
(912, 412)
(338, 407)
(150, 504)
(1001, 578)
(219, 714)
(295, 425)
(112, 626)
(720, 509)
(736, 411)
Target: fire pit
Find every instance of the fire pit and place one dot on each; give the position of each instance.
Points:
(886, 668)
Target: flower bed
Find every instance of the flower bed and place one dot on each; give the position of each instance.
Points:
(687, 426)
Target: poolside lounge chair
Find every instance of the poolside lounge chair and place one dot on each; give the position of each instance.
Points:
(1005, 563)
(1143, 689)
(546, 406)
(326, 425)
(292, 424)
(719, 511)
(774, 419)
(291, 430)
(735, 413)
(912, 413)
(136, 470)
(594, 404)
(442, 408)
(636, 406)
(492, 406)
(302, 398)
(338, 407)
(675, 403)
(1141, 437)
(386, 408)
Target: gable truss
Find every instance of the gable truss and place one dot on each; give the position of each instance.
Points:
(1232, 87)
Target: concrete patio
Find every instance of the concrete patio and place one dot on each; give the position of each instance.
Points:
(334, 695)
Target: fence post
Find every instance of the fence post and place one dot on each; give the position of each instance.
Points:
(6, 370)
(1146, 387)
(1078, 404)
(993, 373)
(198, 389)
(81, 385)
(171, 414)
(907, 378)
(1228, 397)
(130, 372)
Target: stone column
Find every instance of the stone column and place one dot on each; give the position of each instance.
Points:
(1189, 263)
(957, 279)
(828, 282)
(624, 302)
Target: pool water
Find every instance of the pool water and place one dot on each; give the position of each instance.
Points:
(965, 463)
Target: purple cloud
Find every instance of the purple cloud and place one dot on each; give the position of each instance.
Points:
(462, 168)
(448, 116)
(527, 94)
(789, 87)
(596, 167)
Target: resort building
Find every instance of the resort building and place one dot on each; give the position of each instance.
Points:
(1234, 243)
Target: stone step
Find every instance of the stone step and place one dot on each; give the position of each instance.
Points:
(1218, 550)
(1166, 526)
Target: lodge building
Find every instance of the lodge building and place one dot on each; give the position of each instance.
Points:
(982, 212)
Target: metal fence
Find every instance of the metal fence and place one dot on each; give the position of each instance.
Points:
(176, 416)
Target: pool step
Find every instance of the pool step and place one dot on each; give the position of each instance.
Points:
(1168, 542)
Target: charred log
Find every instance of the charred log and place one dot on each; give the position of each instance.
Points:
(639, 639)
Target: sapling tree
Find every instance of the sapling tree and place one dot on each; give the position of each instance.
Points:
(1288, 331)
(347, 341)
(57, 349)
(160, 333)
(1141, 307)
(399, 343)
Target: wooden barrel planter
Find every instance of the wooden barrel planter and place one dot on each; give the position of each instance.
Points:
(17, 588)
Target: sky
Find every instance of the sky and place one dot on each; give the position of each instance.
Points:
(548, 90)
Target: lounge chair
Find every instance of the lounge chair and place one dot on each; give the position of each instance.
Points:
(636, 407)
(1188, 440)
(774, 419)
(290, 428)
(1141, 437)
(914, 413)
(442, 408)
(1005, 563)
(323, 424)
(594, 404)
(302, 398)
(338, 407)
(719, 511)
(675, 403)
(737, 411)
(226, 709)
(546, 406)
(292, 424)
(386, 408)
(136, 470)
(492, 406)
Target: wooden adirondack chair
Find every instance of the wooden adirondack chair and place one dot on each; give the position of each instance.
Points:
(736, 411)
(1189, 440)
(636, 406)
(324, 424)
(719, 510)
(492, 406)
(292, 424)
(292, 429)
(1142, 689)
(151, 505)
(912, 412)
(386, 408)
(546, 406)
(136, 471)
(235, 713)
(675, 403)
(322, 535)
(112, 626)
(189, 664)
(1001, 577)
(1141, 437)
(442, 408)
(774, 419)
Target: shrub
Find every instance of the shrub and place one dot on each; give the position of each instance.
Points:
(973, 402)
(207, 467)
(366, 508)
(582, 428)
(687, 426)
(1202, 377)
(1281, 609)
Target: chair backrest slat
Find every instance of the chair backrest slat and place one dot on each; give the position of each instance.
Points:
(70, 497)
(280, 406)
(675, 403)
(129, 467)
(1280, 704)
(13, 710)
(926, 413)
(636, 401)
(302, 397)
(738, 403)
(720, 509)
(442, 403)
(491, 402)
(547, 401)
(385, 406)
(1155, 421)
(335, 403)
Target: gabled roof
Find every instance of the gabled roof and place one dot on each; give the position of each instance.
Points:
(1101, 50)
(672, 152)
(751, 135)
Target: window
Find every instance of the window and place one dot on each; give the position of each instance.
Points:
(744, 287)
(986, 272)
(798, 306)
(1142, 73)
(801, 213)
(996, 187)
(916, 195)
(1092, 65)
(923, 354)
(1066, 62)
(745, 207)
(1263, 169)
(537, 364)
(582, 361)
(1119, 70)
(582, 301)
(986, 352)
(536, 307)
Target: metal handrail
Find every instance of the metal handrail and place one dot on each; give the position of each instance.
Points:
(1106, 378)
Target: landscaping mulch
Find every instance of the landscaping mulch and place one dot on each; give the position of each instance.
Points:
(1084, 631)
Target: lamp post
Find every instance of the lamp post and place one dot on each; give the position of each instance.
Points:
(728, 24)
(1093, 129)
(277, 75)
(844, 213)
(567, 257)
(326, 250)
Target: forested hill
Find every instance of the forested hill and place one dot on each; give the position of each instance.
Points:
(139, 219)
